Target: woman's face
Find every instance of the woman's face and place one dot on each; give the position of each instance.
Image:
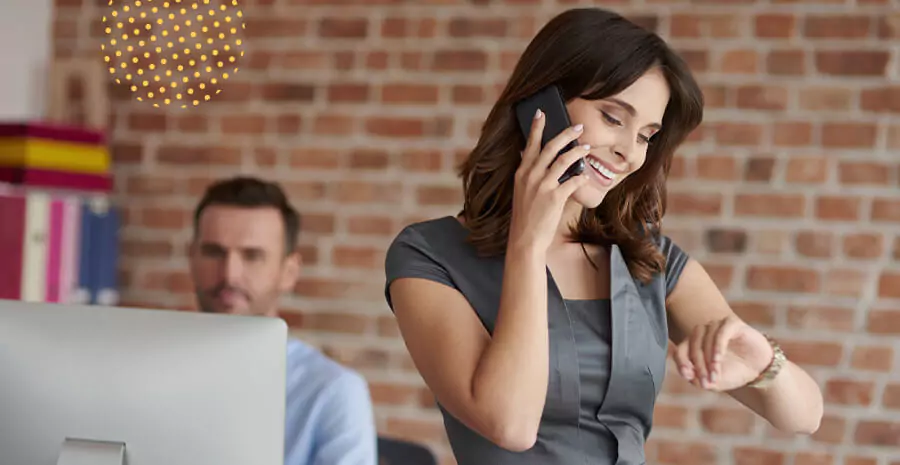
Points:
(618, 129)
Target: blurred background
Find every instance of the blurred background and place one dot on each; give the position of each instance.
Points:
(789, 193)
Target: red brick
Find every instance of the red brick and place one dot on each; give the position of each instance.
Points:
(772, 205)
(872, 358)
(348, 92)
(891, 397)
(849, 135)
(775, 25)
(759, 169)
(370, 225)
(864, 245)
(838, 208)
(762, 97)
(695, 204)
(346, 323)
(409, 93)
(889, 284)
(819, 98)
(863, 172)
(343, 28)
(727, 420)
(807, 170)
(755, 456)
(459, 60)
(755, 313)
(813, 458)
(838, 27)
(845, 282)
(883, 322)
(886, 209)
(881, 99)
(815, 244)
(739, 134)
(792, 134)
(670, 416)
(832, 430)
(877, 433)
(849, 392)
(672, 452)
(813, 353)
(477, 27)
(266, 27)
(852, 63)
(740, 61)
(786, 62)
(722, 168)
(782, 279)
(705, 25)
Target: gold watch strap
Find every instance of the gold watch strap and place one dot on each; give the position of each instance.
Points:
(778, 358)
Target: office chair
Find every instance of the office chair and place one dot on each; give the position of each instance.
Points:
(399, 452)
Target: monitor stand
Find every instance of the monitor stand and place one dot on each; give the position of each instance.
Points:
(90, 452)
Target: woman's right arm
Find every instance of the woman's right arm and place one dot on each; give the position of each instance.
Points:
(496, 385)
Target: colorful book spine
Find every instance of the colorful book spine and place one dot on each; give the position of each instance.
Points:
(54, 251)
(35, 177)
(49, 131)
(58, 247)
(34, 262)
(12, 239)
(70, 250)
(54, 156)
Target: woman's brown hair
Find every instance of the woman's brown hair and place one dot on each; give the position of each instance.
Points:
(593, 54)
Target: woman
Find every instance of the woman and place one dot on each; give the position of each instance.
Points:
(539, 317)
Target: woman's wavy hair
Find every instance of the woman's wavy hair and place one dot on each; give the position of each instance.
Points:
(593, 54)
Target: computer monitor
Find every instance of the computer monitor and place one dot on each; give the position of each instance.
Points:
(111, 386)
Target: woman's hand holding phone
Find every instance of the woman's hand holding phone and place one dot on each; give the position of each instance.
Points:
(539, 197)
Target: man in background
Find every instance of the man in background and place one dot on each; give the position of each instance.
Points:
(243, 258)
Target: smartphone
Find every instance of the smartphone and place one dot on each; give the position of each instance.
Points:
(549, 100)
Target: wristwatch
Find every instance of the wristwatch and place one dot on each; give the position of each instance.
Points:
(778, 358)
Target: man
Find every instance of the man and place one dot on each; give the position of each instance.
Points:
(242, 259)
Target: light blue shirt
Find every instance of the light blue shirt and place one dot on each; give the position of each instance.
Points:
(329, 419)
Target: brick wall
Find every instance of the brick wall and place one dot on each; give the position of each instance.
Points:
(788, 193)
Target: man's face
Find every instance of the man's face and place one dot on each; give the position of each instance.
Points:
(238, 261)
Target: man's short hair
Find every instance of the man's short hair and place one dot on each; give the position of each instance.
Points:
(251, 192)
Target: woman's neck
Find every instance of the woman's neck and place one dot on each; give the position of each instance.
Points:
(570, 216)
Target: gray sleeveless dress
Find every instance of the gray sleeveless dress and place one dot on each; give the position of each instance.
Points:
(607, 357)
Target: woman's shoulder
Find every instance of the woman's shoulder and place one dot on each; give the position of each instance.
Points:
(434, 240)
(428, 233)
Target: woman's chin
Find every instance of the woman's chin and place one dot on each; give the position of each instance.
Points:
(589, 196)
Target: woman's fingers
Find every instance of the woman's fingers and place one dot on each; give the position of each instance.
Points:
(533, 144)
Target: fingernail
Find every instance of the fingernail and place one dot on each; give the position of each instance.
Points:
(578, 127)
(537, 114)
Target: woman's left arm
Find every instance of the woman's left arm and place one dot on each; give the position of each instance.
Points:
(716, 350)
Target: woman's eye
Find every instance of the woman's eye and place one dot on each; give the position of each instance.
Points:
(610, 119)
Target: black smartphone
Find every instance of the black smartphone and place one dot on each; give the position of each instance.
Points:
(549, 100)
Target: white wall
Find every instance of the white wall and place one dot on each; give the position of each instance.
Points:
(25, 47)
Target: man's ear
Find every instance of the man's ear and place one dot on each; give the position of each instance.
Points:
(290, 273)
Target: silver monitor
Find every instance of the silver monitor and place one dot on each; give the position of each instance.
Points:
(112, 386)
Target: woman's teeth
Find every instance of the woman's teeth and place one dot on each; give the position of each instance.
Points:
(601, 169)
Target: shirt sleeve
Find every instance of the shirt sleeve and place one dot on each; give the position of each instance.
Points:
(410, 256)
(346, 434)
(676, 259)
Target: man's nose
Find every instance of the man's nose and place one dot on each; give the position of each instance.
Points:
(232, 268)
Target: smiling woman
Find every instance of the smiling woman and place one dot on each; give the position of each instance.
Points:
(540, 316)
